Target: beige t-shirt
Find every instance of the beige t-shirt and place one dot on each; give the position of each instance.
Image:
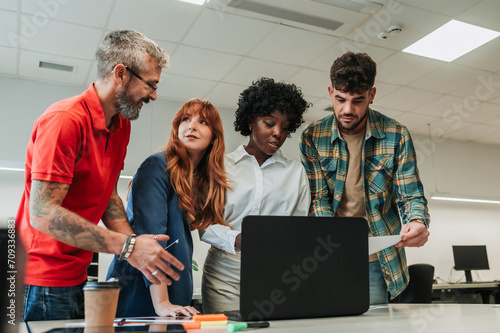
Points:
(352, 203)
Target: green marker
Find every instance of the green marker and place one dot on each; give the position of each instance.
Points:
(235, 327)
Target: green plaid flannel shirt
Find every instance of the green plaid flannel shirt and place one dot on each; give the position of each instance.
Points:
(393, 190)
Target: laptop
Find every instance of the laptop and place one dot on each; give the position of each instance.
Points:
(303, 267)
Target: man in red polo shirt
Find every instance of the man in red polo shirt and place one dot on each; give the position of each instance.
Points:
(73, 160)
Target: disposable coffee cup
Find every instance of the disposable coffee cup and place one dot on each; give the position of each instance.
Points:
(101, 300)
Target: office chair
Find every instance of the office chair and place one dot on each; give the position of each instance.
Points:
(419, 289)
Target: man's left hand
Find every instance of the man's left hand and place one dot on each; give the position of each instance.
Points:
(415, 234)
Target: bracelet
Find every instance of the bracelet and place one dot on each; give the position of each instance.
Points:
(127, 247)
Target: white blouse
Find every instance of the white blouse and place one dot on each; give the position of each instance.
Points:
(278, 187)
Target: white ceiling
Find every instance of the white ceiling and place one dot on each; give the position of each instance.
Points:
(217, 50)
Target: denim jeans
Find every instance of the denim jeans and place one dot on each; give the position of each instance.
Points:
(378, 287)
(53, 303)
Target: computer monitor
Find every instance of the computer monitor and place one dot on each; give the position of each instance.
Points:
(470, 257)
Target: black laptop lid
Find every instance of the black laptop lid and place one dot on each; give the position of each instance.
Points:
(303, 267)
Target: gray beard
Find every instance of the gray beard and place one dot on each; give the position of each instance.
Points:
(127, 107)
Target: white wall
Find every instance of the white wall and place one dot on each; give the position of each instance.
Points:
(445, 166)
(464, 168)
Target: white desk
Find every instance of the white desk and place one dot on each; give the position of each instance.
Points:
(484, 288)
(394, 318)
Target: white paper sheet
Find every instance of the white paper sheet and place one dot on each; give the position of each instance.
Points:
(376, 244)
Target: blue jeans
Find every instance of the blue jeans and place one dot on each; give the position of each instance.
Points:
(378, 287)
(53, 303)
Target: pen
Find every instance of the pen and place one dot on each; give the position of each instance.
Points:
(173, 243)
(121, 322)
(241, 326)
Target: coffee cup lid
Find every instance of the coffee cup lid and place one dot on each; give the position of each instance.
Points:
(94, 285)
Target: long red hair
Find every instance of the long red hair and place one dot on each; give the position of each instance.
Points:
(202, 191)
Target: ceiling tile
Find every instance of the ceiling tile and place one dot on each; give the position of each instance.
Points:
(471, 132)
(442, 126)
(481, 57)
(494, 122)
(495, 100)
(486, 87)
(313, 100)
(225, 95)
(447, 7)
(180, 88)
(8, 60)
(415, 24)
(485, 113)
(64, 39)
(28, 68)
(446, 79)
(317, 111)
(158, 19)
(383, 89)
(251, 69)
(203, 64)
(441, 107)
(226, 32)
(405, 99)
(168, 47)
(423, 131)
(413, 121)
(292, 46)
(492, 139)
(402, 68)
(325, 61)
(77, 12)
(8, 4)
(8, 27)
(483, 14)
(390, 112)
(312, 82)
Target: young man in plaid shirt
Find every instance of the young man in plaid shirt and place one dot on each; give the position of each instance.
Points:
(361, 163)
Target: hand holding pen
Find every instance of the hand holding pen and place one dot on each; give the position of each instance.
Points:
(155, 272)
(171, 244)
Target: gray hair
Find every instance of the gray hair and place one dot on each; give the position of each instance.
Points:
(130, 48)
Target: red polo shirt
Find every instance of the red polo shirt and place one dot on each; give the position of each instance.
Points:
(70, 144)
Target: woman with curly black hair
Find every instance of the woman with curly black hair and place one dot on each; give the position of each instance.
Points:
(262, 181)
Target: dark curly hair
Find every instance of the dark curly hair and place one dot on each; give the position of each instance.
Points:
(264, 97)
(353, 73)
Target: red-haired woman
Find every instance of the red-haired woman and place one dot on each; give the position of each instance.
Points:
(178, 189)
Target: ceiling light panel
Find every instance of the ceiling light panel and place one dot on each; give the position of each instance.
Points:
(451, 41)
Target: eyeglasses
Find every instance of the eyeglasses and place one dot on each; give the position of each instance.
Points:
(153, 88)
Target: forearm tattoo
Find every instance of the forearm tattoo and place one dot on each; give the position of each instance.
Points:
(42, 199)
(114, 211)
(63, 224)
(79, 234)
